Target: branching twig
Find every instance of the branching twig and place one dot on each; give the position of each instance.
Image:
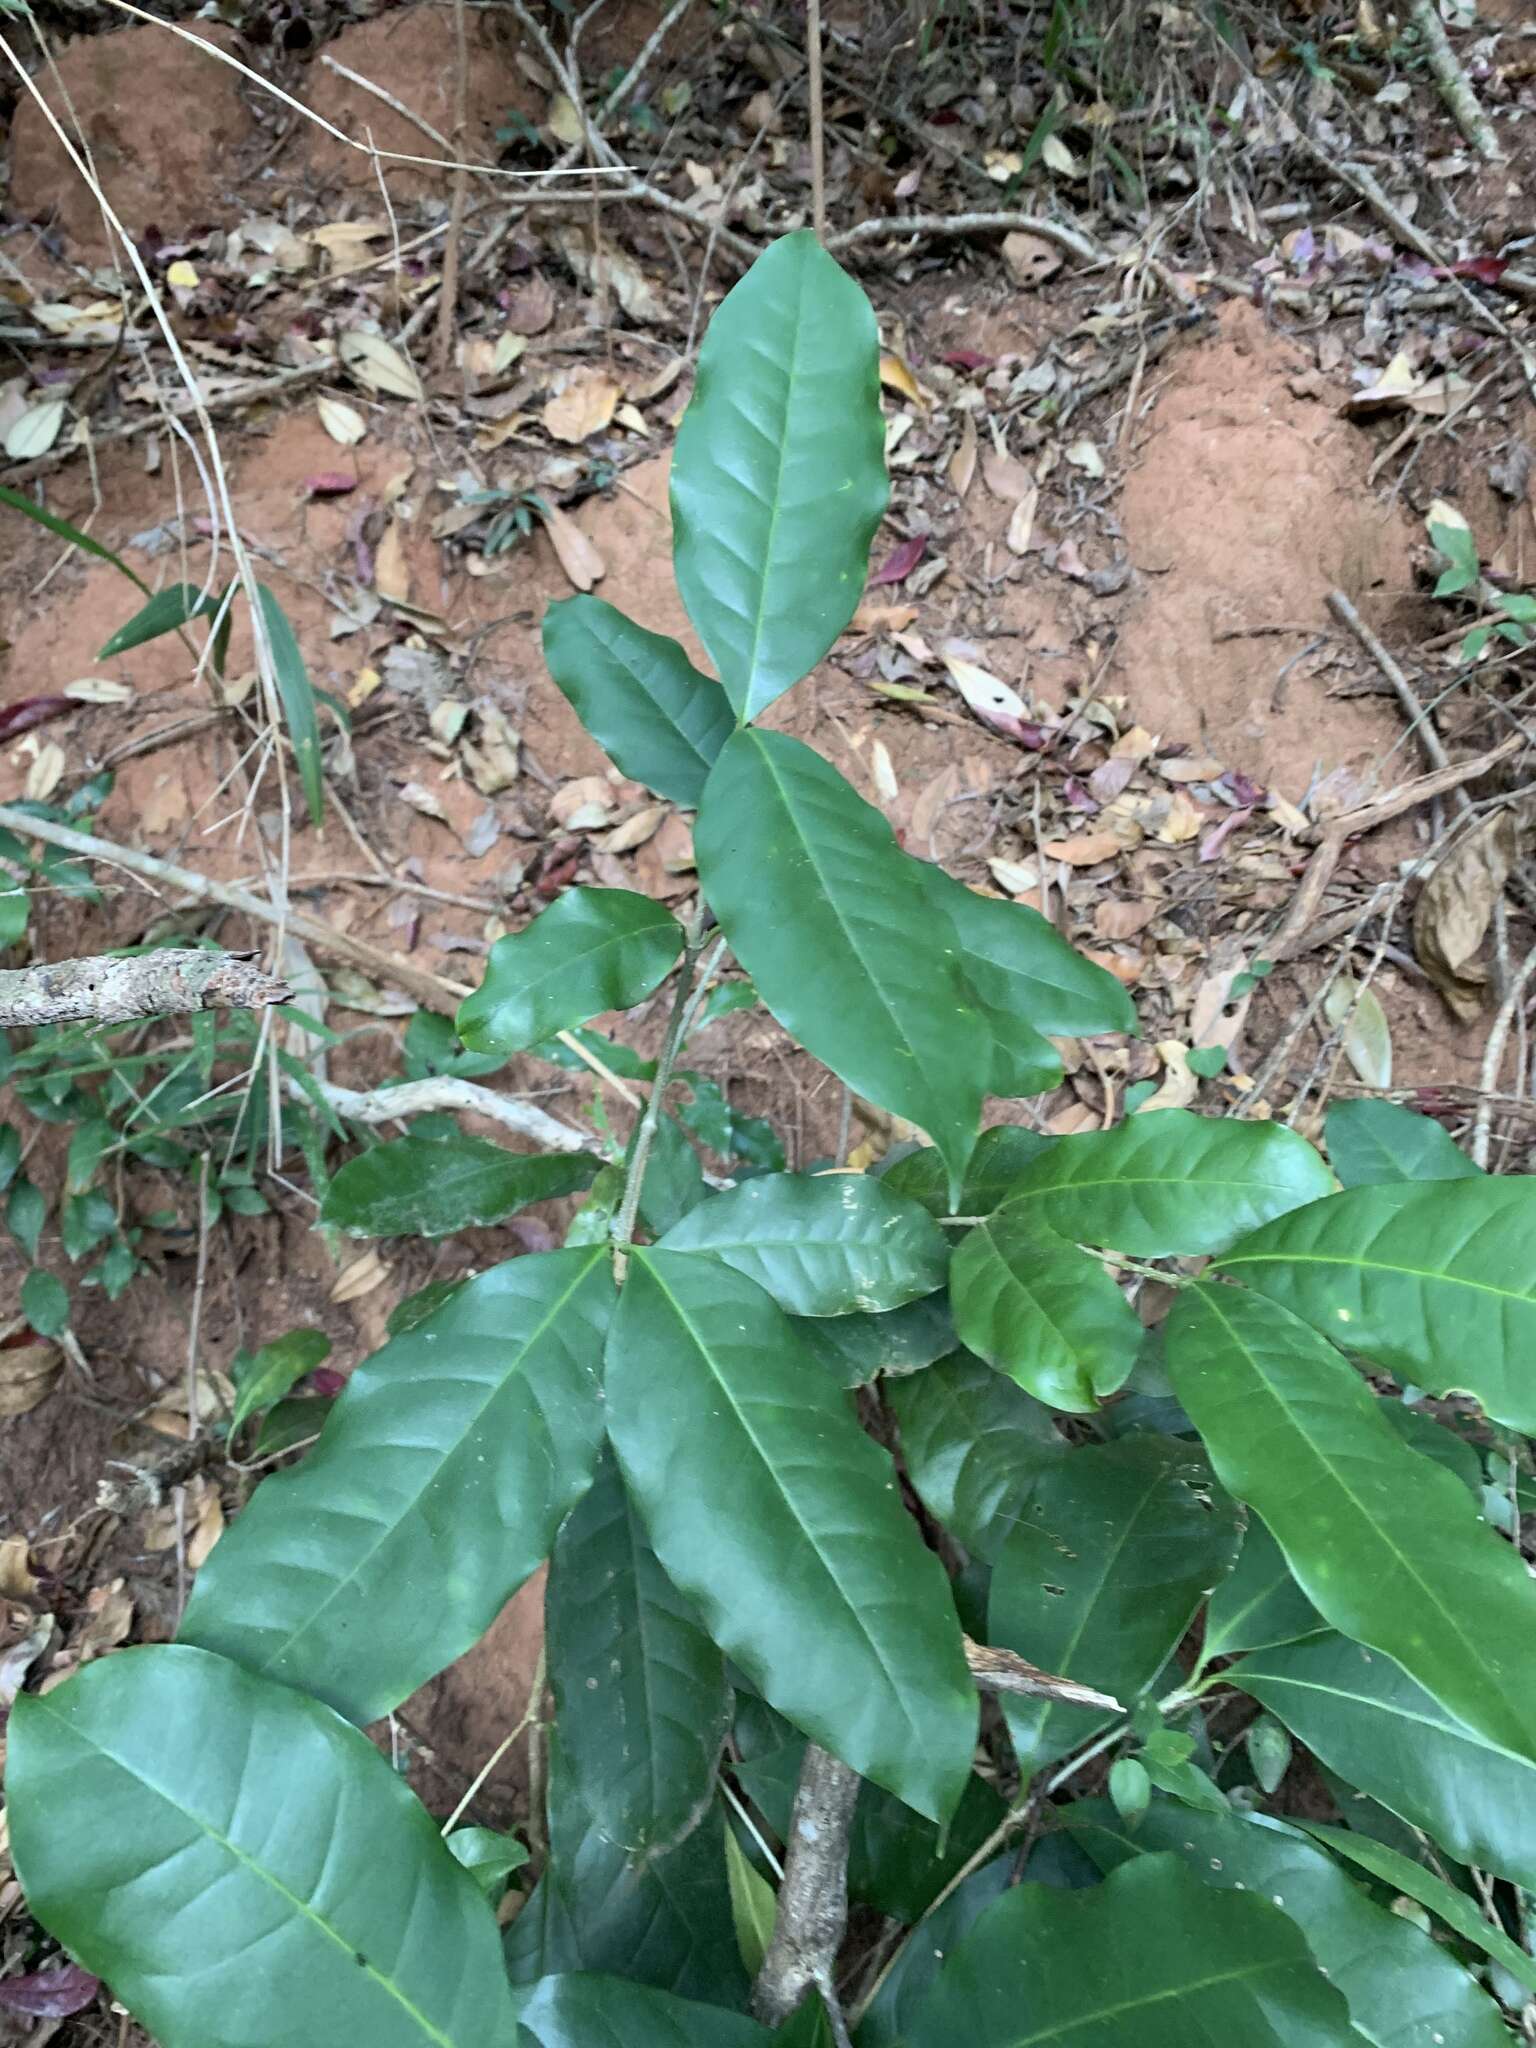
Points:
(812, 1911)
(421, 1098)
(108, 990)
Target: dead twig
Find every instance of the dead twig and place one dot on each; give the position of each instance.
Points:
(1287, 941)
(1493, 1058)
(422, 1098)
(1455, 86)
(1073, 240)
(997, 1670)
(104, 989)
(448, 300)
(818, 119)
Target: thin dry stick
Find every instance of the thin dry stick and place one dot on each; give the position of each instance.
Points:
(103, 990)
(530, 1715)
(1455, 87)
(199, 1286)
(1493, 1058)
(448, 300)
(434, 991)
(818, 119)
(420, 1098)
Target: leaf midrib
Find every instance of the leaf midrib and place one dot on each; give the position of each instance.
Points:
(1059, 2030)
(1476, 1661)
(409, 1507)
(1374, 1265)
(701, 1346)
(259, 1871)
(1454, 1732)
(750, 707)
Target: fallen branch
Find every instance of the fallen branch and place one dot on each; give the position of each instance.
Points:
(106, 990)
(1455, 86)
(812, 1914)
(1493, 1059)
(421, 1098)
(884, 230)
(1291, 936)
(996, 1670)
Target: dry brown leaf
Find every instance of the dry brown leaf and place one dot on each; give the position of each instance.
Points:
(360, 1277)
(932, 800)
(391, 570)
(584, 804)
(1188, 768)
(1398, 381)
(1115, 918)
(1182, 823)
(16, 1579)
(882, 773)
(1180, 1084)
(107, 1619)
(531, 305)
(1133, 745)
(1452, 915)
(99, 690)
(379, 364)
(344, 423)
(895, 376)
(207, 1530)
(1005, 476)
(988, 695)
(674, 844)
(580, 560)
(882, 618)
(1021, 523)
(1018, 877)
(27, 1374)
(585, 406)
(46, 772)
(634, 831)
(1031, 259)
(1085, 850)
(962, 464)
(424, 800)
(492, 758)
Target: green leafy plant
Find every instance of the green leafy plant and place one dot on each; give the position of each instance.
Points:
(815, 1456)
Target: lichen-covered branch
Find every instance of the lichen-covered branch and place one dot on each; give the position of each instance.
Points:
(813, 1899)
(108, 990)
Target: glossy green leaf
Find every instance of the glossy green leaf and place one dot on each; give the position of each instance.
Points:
(1415, 1882)
(903, 1340)
(297, 695)
(1403, 1991)
(1112, 1553)
(431, 1187)
(580, 2011)
(639, 1687)
(972, 1443)
(489, 1856)
(1364, 1717)
(1436, 1282)
(264, 1376)
(1169, 1182)
(919, 1960)
(1022, 969)
(674, 1177)
(827, 1244)
(662, 1920)
(241, 1866)
(997, 957)
(175, 606)
(751, 1437)
(1373, 1143)
(823, 908)
(45, 1302)
(1150, 1957)
(1387, 1545)
(1041, 1311)
(778, 475)
(1001, 1155)
(445, 1469)
(591, 950)
(1258, 1603)
(638, 695)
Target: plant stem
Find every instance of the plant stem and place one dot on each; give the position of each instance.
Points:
(684, 1009)
(812, 1913)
